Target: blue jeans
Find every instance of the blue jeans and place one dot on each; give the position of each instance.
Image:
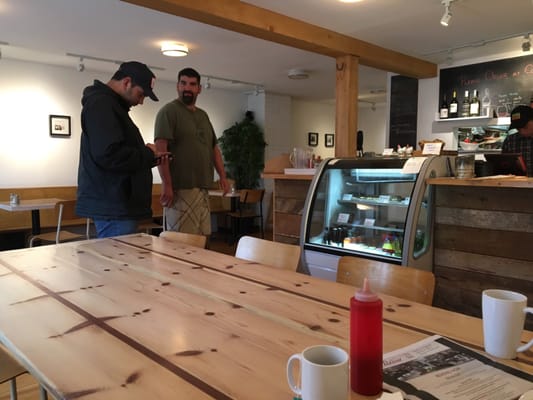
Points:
(114, 227)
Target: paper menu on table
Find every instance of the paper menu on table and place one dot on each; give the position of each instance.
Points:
(438, 368)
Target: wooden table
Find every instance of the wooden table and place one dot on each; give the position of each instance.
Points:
(33, 205)
(138, 317)
(234, 196)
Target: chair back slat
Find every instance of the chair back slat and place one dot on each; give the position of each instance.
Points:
(250, 196)
(276, 254)
(395, 280)
(186, 238)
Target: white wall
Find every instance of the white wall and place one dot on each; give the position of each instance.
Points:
(320, 117)
(30, 92)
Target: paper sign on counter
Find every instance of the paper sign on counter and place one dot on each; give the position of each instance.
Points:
(413, 165)
(432, 148)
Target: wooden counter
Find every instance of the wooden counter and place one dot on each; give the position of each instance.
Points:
(483, 239)
(494, 181)
(288, 202)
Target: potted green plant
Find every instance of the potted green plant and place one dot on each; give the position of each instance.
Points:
(243, 149)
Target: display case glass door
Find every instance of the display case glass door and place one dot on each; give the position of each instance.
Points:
(362, 210)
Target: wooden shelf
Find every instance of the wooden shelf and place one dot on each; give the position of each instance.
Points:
(510, 181)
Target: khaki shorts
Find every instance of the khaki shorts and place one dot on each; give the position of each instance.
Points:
(190, 212)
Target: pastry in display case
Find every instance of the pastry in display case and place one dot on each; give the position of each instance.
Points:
(378, 208)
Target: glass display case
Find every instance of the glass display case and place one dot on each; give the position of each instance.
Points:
(379, 208)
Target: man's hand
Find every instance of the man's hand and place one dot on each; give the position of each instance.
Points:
(167, 196)
(224, 185)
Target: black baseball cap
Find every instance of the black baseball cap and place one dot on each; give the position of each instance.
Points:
(520, 116)
(141, 75)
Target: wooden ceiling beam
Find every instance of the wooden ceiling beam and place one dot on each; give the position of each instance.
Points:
(241, 17)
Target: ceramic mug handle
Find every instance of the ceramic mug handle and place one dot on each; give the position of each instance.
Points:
(290, 376)
(527, 345)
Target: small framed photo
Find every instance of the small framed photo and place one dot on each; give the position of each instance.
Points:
(329, 139)
(312, 139)
(60, 125)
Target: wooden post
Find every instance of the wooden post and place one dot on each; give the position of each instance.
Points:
(346, 90)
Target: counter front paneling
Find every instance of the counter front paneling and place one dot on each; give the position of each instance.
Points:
(483, 239)
(289, 196)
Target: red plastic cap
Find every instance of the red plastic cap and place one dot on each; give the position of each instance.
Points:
(366, 294)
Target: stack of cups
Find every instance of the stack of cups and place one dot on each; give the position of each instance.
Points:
(464, 166)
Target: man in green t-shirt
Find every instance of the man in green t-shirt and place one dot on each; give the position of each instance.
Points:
(185, 131)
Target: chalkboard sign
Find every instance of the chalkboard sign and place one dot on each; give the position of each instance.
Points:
(403, 111)
(501, 84)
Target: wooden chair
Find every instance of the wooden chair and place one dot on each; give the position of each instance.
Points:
(250, 207)
(279, 255)
(9, 370)
(149, 225)
(186, 238)
(395, 280)
(66, 211)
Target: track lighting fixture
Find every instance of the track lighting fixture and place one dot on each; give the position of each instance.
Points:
(81, 65)
(218, 81)
(445, 20)
(526, 45)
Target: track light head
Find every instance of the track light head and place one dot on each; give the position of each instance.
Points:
(207, 84)
(445, 20)
(81, 65)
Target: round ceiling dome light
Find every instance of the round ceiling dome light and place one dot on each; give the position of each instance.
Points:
(173, 49)
(298, 74)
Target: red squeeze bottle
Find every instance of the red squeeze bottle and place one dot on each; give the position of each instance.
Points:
(366, 342)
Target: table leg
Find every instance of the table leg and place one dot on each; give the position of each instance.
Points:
(35, 222)
(233, 203)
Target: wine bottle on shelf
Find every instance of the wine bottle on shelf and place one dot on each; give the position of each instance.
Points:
(465, 105)
(474, 105)
(453, 111)
(444, 109)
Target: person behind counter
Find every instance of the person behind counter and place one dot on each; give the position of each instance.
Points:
(521, 141)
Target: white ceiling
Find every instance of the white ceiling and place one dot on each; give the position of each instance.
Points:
(45, 31)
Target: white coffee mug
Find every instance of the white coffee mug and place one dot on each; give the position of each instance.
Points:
(323, 373)
(504, 314)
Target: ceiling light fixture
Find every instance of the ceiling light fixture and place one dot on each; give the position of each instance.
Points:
(296, 73)
(173, 49)
(445, 20)
(81, 65)
(526, 45)
(207, 84)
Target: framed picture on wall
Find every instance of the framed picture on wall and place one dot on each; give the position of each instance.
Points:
(60, 125)
(312, 139)
(329, 139)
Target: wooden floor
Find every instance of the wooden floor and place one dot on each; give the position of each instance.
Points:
(27, 386)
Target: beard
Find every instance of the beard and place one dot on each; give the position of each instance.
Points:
(187, 98)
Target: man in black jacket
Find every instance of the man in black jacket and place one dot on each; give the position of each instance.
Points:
(115, 166)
